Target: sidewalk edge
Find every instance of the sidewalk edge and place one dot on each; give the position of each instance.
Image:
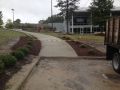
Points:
(18, 85)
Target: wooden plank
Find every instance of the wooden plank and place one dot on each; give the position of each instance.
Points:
(116, 31)
(110, 34)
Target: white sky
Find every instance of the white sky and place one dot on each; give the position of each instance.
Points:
(31, 11)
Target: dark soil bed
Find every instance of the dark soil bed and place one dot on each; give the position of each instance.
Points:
(84, 51)
(9, 72)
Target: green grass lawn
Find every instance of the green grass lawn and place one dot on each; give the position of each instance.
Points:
(83, 36)
(5, 34)
(88, 36)
(50, 33)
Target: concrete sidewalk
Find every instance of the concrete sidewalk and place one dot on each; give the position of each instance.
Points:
(53, 47)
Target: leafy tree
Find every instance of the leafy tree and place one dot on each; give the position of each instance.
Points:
(42, 22)
(1, 21)
(17, 23)
(9, 24)
(55, 18)
(100, 11)
(67, 6)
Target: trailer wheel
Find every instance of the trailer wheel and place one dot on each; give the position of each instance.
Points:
(116, 62)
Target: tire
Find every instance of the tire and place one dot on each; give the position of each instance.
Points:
(116, 62)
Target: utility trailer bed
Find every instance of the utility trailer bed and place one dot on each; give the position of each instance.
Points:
(112, 42)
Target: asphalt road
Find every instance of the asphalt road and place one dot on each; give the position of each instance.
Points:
(73, 74)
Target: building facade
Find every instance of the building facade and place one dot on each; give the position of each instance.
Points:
(80, 21)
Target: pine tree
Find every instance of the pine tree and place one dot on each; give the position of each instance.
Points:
(67, 7)
(100, 11)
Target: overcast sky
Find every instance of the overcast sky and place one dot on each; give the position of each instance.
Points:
(31, 11)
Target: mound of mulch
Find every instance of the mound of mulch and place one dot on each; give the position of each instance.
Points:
(84, 51)
(10, 71)
(35, 47)
(100, 34)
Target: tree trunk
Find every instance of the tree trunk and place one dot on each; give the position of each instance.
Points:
(101, 29)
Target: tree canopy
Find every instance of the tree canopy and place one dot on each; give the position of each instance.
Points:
(17, 23)
(100, 11)
(9, 24)
(65, 5)
(55, 19)
(1, 21)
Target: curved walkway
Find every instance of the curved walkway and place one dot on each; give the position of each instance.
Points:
(53, 47)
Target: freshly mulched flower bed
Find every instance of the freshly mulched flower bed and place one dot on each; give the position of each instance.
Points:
(84, 51)
(10, 71)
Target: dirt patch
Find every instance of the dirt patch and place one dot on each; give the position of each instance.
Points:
(7, 73)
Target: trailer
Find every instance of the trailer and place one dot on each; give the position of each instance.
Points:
(112, 42)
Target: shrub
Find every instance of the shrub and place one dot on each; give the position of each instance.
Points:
(1, 65)
(9, 60)
(25, 50)
(67, 38)
(28, 46)
(29, 37)
(64, 37)
(70, 33)
(73, 40)
(77, 42)
(91, 51)
(18, 54)
(83, 46)
(29, 42)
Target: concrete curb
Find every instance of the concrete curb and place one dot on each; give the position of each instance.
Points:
(82, 57)
(18, 85)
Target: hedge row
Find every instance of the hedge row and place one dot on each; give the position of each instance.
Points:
(18, 54)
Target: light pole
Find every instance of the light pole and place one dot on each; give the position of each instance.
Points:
(66, 14)
(13, 14)
(52, 14)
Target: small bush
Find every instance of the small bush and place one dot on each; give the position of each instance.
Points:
(9, 60)
(18, 54)
(1, 65)
(29, 42)
(70, 33)
(28, 46)
(25, 50)
(83, 46)
(67, 38)
(77, 42)
(64, 37)
(91, 51)
(73, 40)
(29, 37)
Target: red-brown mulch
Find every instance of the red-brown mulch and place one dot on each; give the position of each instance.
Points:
(84, 51)
(35, 48)
(10, 71)
(100, 34)
(21, 42)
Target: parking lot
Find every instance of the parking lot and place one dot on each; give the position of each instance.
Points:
(73, 74)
